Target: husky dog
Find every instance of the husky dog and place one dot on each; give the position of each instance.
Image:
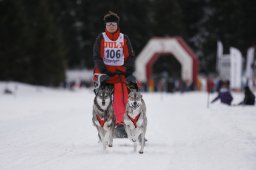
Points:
(135, 119)
(103, 116)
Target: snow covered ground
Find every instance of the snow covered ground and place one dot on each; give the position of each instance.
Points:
(51, 129)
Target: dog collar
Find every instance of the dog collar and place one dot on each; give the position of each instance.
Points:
(99, 108)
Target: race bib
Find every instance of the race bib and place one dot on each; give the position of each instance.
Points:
(113, 51)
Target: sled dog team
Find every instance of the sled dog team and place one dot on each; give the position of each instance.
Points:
(125, 111)
(135, 120)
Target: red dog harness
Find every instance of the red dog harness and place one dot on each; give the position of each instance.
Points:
(134, 121)
(100, 120)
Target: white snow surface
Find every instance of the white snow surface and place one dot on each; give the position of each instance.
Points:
(51, 129)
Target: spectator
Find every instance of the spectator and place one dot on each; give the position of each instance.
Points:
(224, 94)
(249, 97)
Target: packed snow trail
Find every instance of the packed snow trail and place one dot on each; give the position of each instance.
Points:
(51, 129)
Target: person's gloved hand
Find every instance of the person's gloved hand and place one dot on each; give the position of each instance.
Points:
(100, 82)
(131, 78)
(104, 78)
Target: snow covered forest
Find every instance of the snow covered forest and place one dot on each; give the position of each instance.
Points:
(40, 39)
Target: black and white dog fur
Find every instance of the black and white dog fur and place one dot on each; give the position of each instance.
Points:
(135, 119)
(103, 116)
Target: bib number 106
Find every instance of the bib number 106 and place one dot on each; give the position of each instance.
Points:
(113, 53)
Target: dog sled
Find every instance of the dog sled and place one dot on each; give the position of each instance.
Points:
(120, 90)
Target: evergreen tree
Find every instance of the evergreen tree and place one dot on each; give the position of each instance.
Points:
(14, 42)
(196, 14)
(194, 17)
(49, 59)
(168, 18)
(31, 49)
(249, 24)
(224, 23)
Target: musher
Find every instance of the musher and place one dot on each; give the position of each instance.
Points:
(114, 58)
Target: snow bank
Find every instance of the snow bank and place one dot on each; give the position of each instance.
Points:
(43, 128)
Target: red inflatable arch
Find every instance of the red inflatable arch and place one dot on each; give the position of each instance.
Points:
(175, 46)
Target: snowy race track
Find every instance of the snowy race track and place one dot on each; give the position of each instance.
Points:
(47, 129)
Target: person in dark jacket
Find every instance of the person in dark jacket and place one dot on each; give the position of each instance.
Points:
(249, 97)
(113, 54)
(224, 94)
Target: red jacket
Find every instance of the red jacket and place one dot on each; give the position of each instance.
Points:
(98, 53)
